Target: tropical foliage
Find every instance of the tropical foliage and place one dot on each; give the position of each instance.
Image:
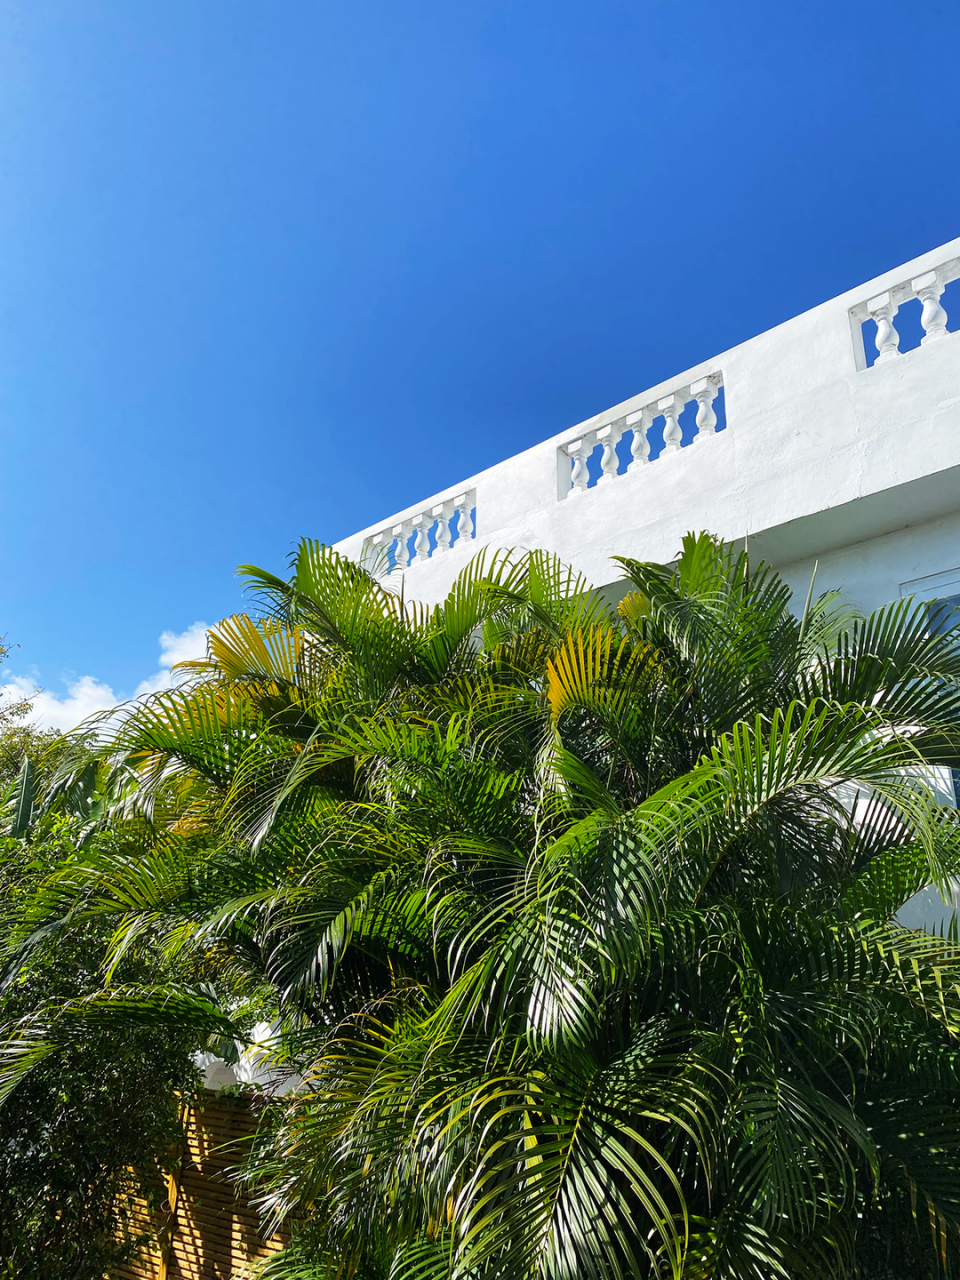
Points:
(576, 920)
(87, 1134)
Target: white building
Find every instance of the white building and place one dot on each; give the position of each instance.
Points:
(825, 439)
(833, 442)
(837, 441)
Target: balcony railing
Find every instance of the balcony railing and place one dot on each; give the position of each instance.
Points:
(882, 310)
(798, 427)
(573, 470)
(436, 528)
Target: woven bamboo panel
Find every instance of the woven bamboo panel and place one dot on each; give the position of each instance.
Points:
(212, 1233)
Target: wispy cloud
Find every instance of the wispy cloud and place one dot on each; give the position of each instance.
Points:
(86, 695)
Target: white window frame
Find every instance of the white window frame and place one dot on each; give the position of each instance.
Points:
(936, 586)
(933, 586)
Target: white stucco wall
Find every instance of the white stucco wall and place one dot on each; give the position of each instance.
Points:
(871, 573)
(819, 454)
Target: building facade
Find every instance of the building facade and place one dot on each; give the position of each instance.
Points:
(832, 439)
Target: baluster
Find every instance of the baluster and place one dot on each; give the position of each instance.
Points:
(704, 392)
(883, 310)
(609, 437)
(421, 545)
(933, 317)
(389, 555)
(464, 505)
(443, 514)
(402, 532)
(640, 447)
(671, 407)
(580, 451)
(385, 542)
(374, 558)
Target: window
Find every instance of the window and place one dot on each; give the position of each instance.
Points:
(944, 614)
(942, 593)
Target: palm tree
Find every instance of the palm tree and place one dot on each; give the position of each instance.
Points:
(579, 921)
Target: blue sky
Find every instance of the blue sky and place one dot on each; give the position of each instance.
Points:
(272, 270)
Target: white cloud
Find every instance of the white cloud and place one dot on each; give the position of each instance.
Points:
(175, 647)
(186, 646)
(86, 695)
(82, 699)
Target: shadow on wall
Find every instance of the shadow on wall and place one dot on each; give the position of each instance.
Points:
(214, 1235)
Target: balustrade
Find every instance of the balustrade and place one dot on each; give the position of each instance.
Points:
(389, 550)
(883, 310)
(928, 289)
(618, 441)
(576, 453)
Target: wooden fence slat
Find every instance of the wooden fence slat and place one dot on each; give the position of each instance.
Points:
(212, 1234)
